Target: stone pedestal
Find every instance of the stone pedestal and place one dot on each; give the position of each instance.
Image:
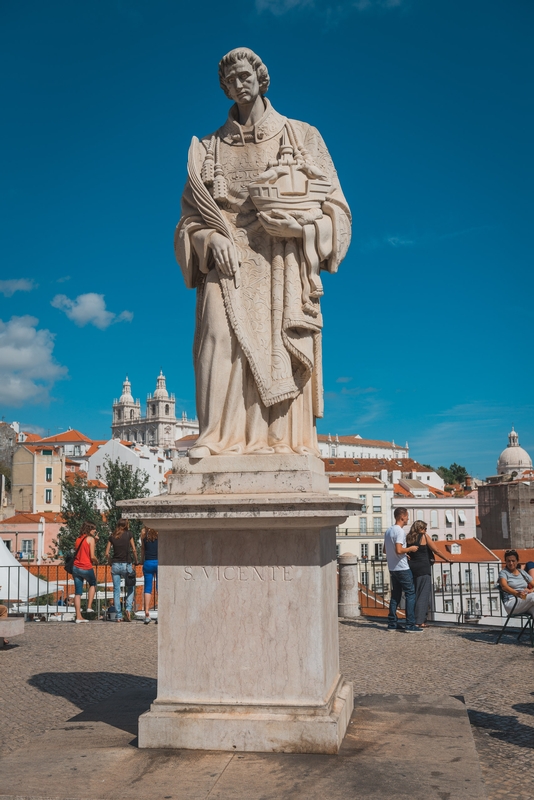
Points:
(248, 642)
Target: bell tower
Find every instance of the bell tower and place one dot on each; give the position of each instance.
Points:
(161, 415)
(126, 413)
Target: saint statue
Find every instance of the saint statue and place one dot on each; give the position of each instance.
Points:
(262, 214)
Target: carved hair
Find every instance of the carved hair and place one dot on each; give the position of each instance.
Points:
(417, 529)
(244, 54)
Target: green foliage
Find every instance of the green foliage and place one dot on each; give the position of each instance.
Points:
(453, 474)
(123, 484)
(79, 506)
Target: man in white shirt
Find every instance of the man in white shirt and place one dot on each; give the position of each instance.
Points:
(400, 572)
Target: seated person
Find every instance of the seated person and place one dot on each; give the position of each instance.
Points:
(529, 567)
(516, 583)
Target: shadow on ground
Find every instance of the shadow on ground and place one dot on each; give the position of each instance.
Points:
(506, 728)
(117, 699)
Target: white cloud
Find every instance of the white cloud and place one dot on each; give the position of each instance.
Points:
(343, 380)
(90, 308)
(27, 368)
(9, 287)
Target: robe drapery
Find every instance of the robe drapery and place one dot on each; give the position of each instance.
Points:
(257, 348)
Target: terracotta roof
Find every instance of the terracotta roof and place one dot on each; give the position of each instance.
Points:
(472, 550)
(67, 436)
(23, 518)
(37, 448)
(32, 437)
(524, 555)
(366, 465)
(398, 489)
(438, 492)
(365, 479)
(96, 484)
(189, 438)
(94, 447)
(358, 440)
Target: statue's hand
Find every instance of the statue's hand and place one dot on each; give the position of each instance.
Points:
(280, 223)
(224, 254)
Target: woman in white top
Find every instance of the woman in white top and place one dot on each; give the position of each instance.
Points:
(516, 583)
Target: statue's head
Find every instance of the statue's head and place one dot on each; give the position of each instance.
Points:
(243, 75)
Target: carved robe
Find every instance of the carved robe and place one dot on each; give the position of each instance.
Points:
(257, 345)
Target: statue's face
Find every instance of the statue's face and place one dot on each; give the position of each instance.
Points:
(242, 82)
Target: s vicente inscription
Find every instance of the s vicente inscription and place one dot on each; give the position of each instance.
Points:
(228, 573)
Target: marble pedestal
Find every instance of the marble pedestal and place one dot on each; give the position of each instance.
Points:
(248, 642)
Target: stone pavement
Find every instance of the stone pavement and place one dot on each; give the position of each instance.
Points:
(71, 681)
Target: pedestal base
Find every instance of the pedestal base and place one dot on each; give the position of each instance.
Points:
(259, 729)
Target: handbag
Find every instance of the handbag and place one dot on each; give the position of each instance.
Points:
(69, 560)
(130, 579)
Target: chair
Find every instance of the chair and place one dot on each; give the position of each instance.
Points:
(528, 624)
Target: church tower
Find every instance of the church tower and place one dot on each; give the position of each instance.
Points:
(161, 415)
(126, 413)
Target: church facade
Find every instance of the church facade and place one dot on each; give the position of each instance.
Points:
(159, 427)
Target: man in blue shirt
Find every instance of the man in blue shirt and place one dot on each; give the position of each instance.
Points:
(400, 572)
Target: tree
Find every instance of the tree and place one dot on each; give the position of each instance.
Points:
(79, 505)
(123, 483)
(453, 474)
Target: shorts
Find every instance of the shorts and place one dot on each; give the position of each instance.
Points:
(150, 571)
(81, 575)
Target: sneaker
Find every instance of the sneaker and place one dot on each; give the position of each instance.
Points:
(392, 628)
(127, 616)
(80, 620)
(413, 629)
(147, 620)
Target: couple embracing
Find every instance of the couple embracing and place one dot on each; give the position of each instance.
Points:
(410, 560)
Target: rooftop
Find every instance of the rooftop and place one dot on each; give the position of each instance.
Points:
(354, 439)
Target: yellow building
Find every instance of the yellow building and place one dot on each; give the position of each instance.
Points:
(38, 471)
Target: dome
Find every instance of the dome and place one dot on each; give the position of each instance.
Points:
(161, 392)
(126, 396)
(513, 458)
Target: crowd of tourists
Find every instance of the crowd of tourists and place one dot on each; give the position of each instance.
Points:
(410, 558)
(121, 555)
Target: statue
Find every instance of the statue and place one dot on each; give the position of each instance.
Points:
(262, 214)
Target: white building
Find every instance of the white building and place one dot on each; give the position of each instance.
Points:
(447, 517)
(151, 460)
(354, 446)
(160, 427)
(388, 470)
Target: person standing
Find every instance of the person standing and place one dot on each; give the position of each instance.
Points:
(421, 567)
(122, 541)
(84, 561)
(149, 557)
(401, 575)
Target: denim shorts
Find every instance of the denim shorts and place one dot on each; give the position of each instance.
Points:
(81, 575)
(150, 571)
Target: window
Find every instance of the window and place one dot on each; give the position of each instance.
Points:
(364, 550)
(27, 548)
(49, 474)
(379, 578)
(468, 577)
(131, 413)
(47, 452)
(491, 574)
(493, 604)
(77, 450)
(461, 536)
(449, 537)
(119, 413)
(363, 499)
(365, 578)
(448, 607)
(377, 503)
(461, 518)
(160, 469)
(448, 519)
(434, 519)
(420, 514)
(7, 543)
(378, 550)
(153, 411)
(363, 525)
(377, 524)
(434, 537)
(98, 471)
(167, 409)
(48, 495)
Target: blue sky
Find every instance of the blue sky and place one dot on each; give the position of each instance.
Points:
(427, 109)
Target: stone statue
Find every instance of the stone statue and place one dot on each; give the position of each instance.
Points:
(262, 214)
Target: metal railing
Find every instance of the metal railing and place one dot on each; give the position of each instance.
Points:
(461, 592)
(47, 591)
